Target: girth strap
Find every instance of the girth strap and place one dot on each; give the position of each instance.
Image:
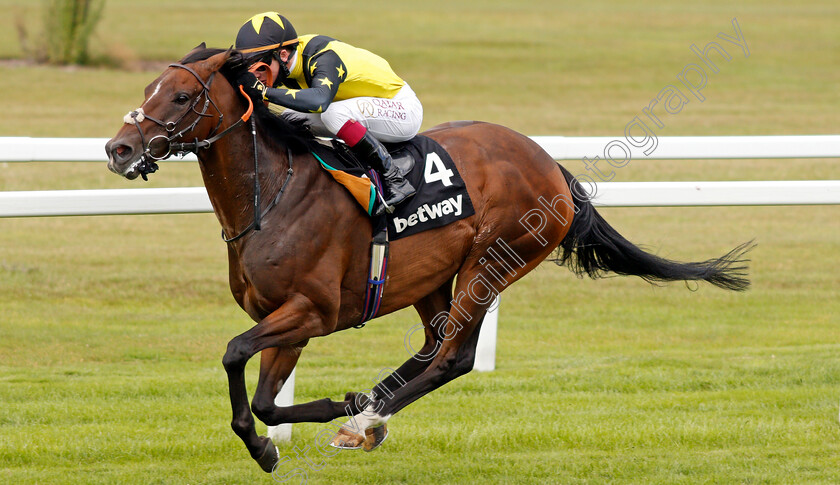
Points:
(376, 280)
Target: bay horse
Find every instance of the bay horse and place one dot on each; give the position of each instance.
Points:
(298, 244)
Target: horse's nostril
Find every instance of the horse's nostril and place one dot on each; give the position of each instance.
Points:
(122, 152)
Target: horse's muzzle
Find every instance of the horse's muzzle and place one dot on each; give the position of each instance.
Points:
(123, 159)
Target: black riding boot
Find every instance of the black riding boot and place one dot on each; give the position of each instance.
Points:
(372, 152)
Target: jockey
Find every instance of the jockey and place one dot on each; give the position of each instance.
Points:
(339, 90)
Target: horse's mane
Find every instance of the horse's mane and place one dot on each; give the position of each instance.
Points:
(289, 133)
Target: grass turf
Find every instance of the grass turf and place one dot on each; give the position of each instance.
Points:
(112, 328)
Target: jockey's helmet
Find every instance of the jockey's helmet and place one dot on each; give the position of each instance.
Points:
(264, 33)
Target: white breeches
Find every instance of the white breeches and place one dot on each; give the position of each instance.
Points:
(389, 120)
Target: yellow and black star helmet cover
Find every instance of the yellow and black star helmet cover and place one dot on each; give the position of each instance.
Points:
(265, 32)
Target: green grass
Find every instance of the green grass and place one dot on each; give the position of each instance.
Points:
(112, 328)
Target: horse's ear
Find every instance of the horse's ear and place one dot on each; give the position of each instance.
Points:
(199, 47)
(216, 62)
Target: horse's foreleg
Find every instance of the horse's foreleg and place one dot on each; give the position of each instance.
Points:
(290, 325)
(275, 366)
(277, 363)
(243, 422)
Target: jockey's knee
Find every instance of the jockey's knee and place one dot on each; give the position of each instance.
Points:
(336, 116)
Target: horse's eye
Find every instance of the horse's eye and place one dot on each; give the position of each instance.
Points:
(182, 98)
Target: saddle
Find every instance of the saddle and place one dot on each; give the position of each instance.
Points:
(441, 199)
(441, 196)
(363, 184)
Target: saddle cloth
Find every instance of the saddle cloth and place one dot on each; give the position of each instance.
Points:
(441, 196)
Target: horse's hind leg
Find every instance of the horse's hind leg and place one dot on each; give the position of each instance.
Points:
(453, 354)
(427, 307)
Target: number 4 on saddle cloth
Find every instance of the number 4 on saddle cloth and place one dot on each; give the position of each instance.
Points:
(441, 199)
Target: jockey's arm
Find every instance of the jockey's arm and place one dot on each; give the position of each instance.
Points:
(327, 73)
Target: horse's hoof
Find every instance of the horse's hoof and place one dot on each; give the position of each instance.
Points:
(345, 440)
(375, 436)
(270, 456)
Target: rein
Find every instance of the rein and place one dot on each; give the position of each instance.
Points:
(146, 164)
(255, 225)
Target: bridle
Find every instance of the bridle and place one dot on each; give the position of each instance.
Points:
(146, 164)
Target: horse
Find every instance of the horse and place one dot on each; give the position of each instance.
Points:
(298, 257)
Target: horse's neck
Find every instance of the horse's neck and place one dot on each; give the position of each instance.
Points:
(228, 172)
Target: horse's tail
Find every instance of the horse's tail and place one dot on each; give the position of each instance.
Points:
(592, 247)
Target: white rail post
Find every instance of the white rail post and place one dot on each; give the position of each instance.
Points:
(286, 397)
(485, 351)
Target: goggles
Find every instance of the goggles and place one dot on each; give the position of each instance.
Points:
(260, 68)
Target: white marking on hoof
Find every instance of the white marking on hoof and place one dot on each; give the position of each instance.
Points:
(369, 418)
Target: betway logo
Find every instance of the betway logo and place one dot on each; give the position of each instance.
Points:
(428, 212)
